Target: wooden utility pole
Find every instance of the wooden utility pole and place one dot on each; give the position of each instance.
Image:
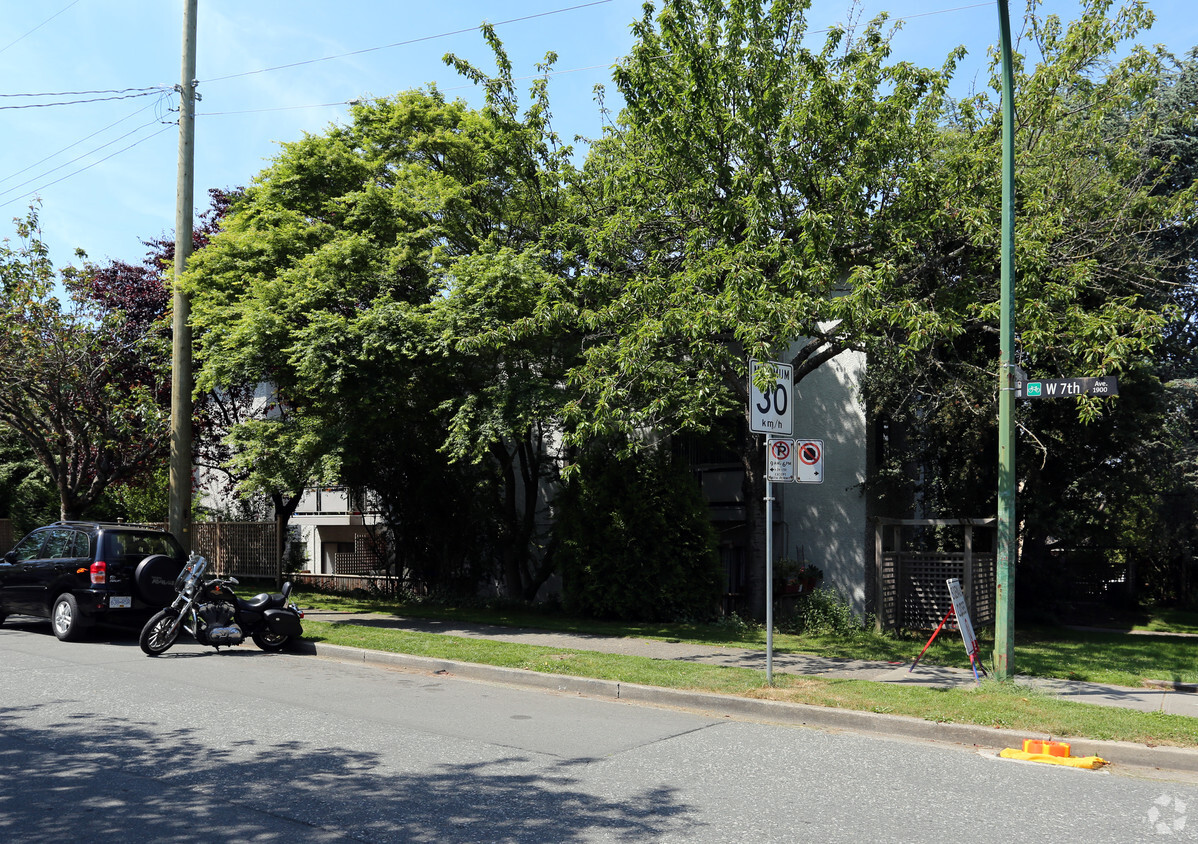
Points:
(179, 515)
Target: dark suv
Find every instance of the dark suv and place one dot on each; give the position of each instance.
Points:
(79, 573)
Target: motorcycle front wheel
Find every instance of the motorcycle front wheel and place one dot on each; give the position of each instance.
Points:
(157, 635)
(269, 641)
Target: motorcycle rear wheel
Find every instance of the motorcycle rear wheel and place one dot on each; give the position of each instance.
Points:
(156, 636)
(269, 641)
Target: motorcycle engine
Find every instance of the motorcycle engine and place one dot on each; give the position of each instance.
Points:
(219, 626)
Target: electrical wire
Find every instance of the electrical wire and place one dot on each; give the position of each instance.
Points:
(265, 110)
(465, 86)
(76, 143)
(88, 167)
(36, 28)
(405, 43)
(78, 158)
(129, 93)
(144, 93)
(84, 93)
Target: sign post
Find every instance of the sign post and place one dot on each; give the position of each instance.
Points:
(770, 412)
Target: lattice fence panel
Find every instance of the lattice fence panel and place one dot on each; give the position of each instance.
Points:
(981, 602)
(924, 585)
(925, 597)
(888, 598)
(238, 549)
(369, 555)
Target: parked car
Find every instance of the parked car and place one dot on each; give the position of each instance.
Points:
(79, 573)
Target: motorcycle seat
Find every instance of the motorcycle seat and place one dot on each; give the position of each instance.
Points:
(266, 600)
(263, 601)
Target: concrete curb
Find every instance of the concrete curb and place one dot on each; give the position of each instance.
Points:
(769, 711)
(1169, 686)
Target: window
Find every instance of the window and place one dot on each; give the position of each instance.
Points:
(65, 544)
(30, 547)
(138, 545)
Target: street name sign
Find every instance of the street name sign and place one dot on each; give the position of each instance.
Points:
(772, 411)
(1067, 388)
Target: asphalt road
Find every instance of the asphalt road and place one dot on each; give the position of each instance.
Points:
(99, 742)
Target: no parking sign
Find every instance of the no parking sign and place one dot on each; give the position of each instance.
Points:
(780, 460)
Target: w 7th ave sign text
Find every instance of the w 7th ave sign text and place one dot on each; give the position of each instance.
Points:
(1067, 388)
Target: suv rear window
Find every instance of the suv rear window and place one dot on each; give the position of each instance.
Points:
(138, 545)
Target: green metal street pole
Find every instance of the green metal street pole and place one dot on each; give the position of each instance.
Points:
(1004, 622)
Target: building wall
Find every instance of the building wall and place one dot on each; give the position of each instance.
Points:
(827, 522)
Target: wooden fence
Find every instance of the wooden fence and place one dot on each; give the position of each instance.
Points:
(234, 549)
(238, 549)
(249, 549)
(912, 586)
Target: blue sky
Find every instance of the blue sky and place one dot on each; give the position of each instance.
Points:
(105, 171)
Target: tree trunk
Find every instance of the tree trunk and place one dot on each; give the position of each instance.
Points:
(753, 463)
(285, 508)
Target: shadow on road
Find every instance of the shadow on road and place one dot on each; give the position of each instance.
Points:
(97, 777)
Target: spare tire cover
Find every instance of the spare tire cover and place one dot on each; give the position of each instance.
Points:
(155, 579)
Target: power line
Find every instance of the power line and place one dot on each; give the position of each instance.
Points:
(145, 93)
(467, 85)
(83, 93)
(78, 158)
(128, 93)
(39, 26)
(273, 108)
(76, 143)
(88, 167)
(515, 78)
(405, 43)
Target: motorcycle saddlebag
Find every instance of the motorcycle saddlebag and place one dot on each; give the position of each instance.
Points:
(283, 622)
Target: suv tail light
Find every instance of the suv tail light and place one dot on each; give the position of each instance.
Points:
(99, 571)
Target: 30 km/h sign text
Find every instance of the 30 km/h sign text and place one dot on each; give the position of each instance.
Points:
(771, 411)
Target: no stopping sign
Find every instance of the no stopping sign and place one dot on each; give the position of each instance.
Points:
(809, 463)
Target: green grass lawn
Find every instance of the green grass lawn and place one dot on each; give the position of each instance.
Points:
(1114, 657)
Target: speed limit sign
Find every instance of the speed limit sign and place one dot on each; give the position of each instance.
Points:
(771, 411)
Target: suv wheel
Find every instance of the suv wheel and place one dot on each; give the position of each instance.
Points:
(65, 618)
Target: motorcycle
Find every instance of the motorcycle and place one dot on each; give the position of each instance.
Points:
(214, 615)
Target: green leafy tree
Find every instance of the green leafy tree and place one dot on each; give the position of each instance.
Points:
(77, 383)
(25, 498)
(755, 198)
(1103, 220)
(348, 277)
(636, 540)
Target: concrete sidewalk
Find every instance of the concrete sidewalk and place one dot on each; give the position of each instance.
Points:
(1169, 699)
